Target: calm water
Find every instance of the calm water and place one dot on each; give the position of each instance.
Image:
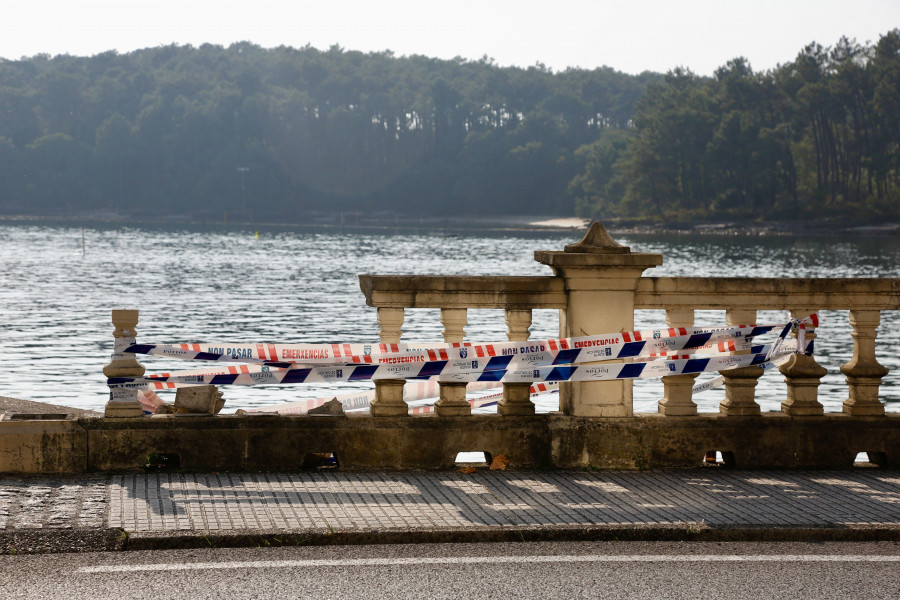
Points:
(292, 286)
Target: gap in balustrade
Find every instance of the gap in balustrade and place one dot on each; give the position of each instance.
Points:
(422, 325)
(489, 325)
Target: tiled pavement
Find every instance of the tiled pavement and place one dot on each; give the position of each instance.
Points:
(175, 505)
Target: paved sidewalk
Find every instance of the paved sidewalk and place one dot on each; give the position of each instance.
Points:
(167, 510)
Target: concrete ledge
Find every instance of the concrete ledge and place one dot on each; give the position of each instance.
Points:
(43, 541)
(42, 446)
(267, 443)
(769, 441)
(282, 443)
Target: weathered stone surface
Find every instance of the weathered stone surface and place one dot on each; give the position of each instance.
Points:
(331, 408)
(767, 441)
(270, 443)
(204, 399)
(42, 446)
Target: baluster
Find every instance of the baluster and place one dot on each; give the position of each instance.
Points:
(863, 371)
(740, 384)
(677, 388)
(388, 400)
(123, 402)
(803, 375)
(452, 402)
(454, 321)
(516, 399)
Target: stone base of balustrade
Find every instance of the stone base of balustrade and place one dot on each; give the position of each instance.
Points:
(516, 401)
(863, 400)
(118, 410)
(860, 409)
(273, 443)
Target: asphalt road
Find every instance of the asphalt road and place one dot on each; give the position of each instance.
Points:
(523, 571)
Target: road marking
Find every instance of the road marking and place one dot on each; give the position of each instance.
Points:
(484, 560)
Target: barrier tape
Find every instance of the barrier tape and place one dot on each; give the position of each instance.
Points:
(719, 381)
(540, 363)
(562, 350)
(163, 381)
(599, 372)
(444, 370)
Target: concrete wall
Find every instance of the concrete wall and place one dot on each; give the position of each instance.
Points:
(270, 443)
(44, 446)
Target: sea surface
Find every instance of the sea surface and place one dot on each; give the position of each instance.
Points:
(58, 285)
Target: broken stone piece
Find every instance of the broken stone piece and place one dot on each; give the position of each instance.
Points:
(201, 399)
(333, 408)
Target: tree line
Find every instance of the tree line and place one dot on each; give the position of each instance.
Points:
(815, 138)
(293, 133)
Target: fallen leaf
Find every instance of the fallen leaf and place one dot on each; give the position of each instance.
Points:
(467, 470)
(499, 463)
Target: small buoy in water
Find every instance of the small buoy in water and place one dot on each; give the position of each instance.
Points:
(257, 235)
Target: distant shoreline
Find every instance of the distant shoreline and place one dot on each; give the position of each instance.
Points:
(357, 222)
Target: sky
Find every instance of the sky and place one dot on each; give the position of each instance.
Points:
(628, 35)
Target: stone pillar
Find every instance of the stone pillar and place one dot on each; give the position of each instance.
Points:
(740, 384)
(863, 371)
(388, 400)
(677, 400)
(516, 399)
(803, 376)
(123, 402)
(600, 277)
(452, 402)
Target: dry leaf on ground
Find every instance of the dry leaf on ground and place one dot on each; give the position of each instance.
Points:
(467, 470)
(499, 463)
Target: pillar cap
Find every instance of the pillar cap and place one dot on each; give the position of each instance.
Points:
(597, 241)
(597, 249)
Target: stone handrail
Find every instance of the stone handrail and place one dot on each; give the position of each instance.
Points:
(424, 291)
(757, 293)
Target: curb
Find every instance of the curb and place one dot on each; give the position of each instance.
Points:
(42, 541)
(54, 541)
(600, 533)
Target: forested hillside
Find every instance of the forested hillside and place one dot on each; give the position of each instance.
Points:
(816, 138)
(291, 132)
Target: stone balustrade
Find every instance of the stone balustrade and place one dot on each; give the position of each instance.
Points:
(597, 286)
